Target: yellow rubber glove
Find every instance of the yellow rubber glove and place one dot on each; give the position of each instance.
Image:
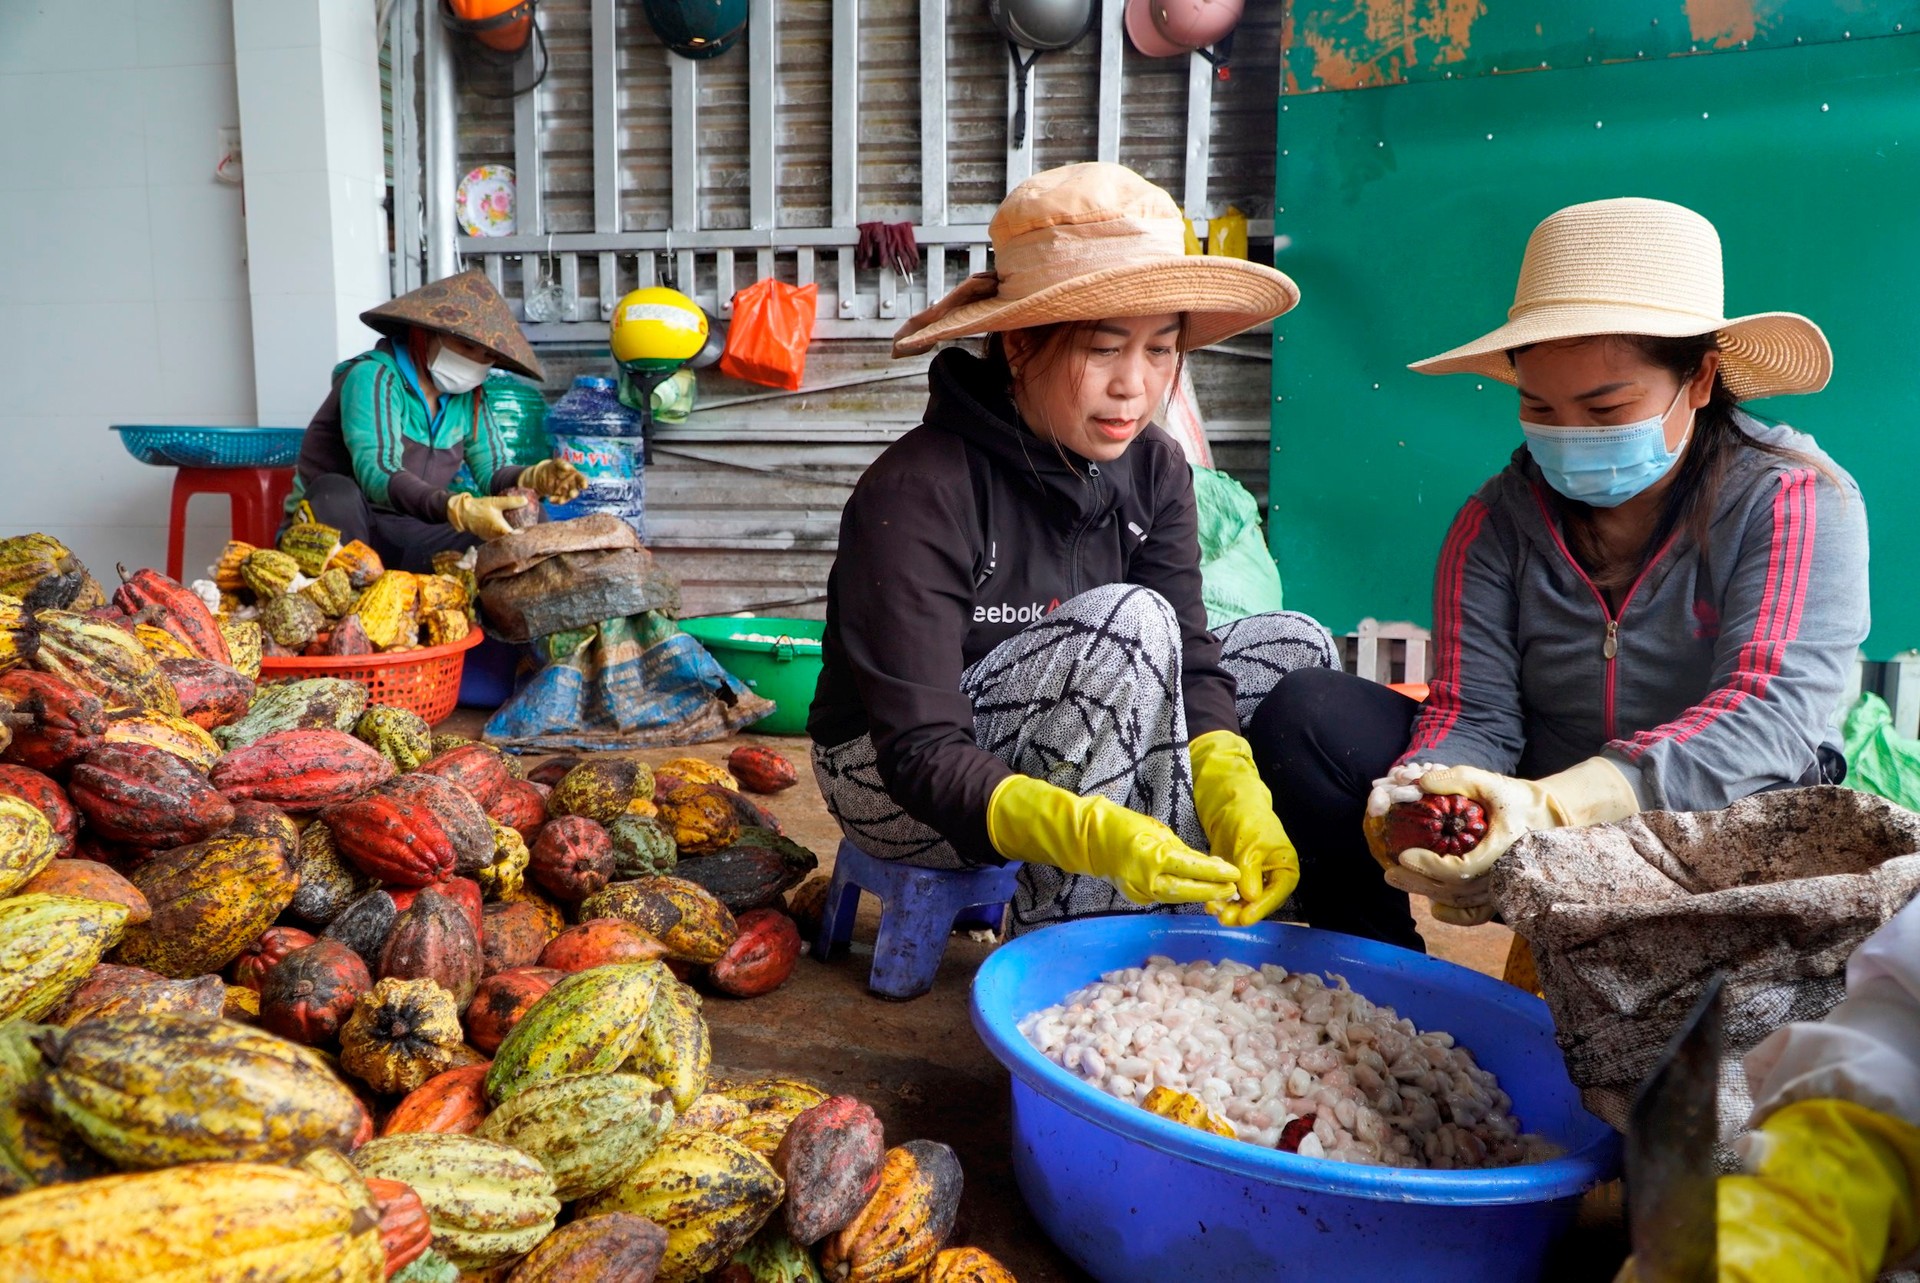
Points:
(1236, 810)
(1832, 1196)
(483, 518)
(1590, 792)
(1041, 823)
(554, 479)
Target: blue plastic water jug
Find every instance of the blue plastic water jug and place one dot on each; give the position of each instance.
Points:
(591, 430)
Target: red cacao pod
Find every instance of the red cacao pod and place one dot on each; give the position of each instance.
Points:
(597, 942)
(40, 790)
(478, 769)
(211, 694)
(521, 807)
(349, 637)
(405, 1231)
(761, 770)
(249, 970)
(1443, 823)
(610, 1245)
(553, 770)
(394, 837)
(433, 939)
(761, 957)
(501, 1000)
(571, 859)
(146, 797)
(461, 818)
(513, 936)
(174, 609)
(453, 1103)
(464, 892)
(830, 1159)
(301, 770)
(67, 722)
(309, 994)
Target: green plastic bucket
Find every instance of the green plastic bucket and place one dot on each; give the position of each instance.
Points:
(779, 658)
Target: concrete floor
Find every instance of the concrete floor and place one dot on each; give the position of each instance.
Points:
(920, 1067)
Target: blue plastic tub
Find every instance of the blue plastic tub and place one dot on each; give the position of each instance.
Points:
(1134, 1198)
(187, 446)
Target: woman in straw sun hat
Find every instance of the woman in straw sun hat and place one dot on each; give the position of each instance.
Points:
(1655, 604)
(1017, 662)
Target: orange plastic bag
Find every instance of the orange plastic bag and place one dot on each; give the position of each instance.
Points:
(771, 330)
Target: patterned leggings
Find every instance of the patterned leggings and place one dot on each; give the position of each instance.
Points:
(1089, 699)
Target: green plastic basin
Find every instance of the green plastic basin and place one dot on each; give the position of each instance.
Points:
(779, 658)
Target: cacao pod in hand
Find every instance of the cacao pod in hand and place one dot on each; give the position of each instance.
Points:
(1443, 823)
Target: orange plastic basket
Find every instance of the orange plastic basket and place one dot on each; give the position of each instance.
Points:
(424, 681)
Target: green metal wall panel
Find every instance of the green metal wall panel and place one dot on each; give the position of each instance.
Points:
(1403, 214)
(1355, 44)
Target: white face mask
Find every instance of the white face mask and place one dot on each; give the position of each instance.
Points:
(454, 374)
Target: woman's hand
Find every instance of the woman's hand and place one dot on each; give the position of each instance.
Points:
(1032, 820)
(554, 479)
(484, 518)
(1236, 810)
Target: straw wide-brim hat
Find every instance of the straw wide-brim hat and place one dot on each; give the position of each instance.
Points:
(466, 306)
(1094, 241)
(1637, 266)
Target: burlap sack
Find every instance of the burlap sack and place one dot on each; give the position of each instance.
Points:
(569, 574)
(1627, 922)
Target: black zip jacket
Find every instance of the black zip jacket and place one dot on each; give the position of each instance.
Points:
(962, 533)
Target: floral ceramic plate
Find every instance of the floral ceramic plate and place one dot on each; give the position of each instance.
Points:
(484, 202)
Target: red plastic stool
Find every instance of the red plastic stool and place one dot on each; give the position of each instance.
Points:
(258, 495)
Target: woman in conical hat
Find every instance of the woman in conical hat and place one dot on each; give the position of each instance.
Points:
(1655, 605)
(1017, 660)
(391, 436)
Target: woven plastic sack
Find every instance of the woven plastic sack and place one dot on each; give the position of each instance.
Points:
(1628, 921)
(1237, 574)
(771, 331)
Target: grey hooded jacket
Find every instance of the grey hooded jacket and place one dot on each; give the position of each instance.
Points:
(1719, 676)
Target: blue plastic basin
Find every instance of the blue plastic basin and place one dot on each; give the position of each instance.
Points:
(1134, 1198)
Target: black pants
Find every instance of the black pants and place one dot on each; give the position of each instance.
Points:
(1321, 739)
(404, 543)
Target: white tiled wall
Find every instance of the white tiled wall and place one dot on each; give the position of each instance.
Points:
(123, 277)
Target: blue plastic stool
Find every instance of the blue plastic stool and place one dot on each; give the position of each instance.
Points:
(920, 908)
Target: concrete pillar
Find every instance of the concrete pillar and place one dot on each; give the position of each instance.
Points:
(309, 82)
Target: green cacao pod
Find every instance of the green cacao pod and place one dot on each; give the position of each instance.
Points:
(48, 944)
(584, 1025)
(674, 1049)
(590, 1130)
(489, 1203)
(400, 734)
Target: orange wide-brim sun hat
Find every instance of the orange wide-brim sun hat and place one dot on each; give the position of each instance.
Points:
(1091, 242)
(1634, 266)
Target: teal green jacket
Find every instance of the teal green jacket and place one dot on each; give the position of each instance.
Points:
(375, 428)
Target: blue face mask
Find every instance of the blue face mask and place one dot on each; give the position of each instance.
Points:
(1605, 467)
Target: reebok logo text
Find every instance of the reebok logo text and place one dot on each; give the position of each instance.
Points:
(1014, 614)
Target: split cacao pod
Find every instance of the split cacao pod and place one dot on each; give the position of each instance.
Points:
(65, 723)
(1443, 823)
(48, 944)
(894, 1238)
(521, 807)
(401, 1033)
(434, 939)
(301, 771)
(489, 1203)
(309, 995)
(223, 1221)
(601, 789)
(90, 880)
(513, 936)
(607, 1248)
(709, 1194)
(146, 797)
(478, 768)
(137, 1088)
(211, 694)
(209, 901)
(830, 1159)
(761, 770)
(761, 958)
(596, 942)
(47, 797)
(571, 859)
(700, 817)
(451, 1103)
(501, 1000)
(685, 917)
(583, 1025)
(249, 970)
(405, 1231)
(589, 1130)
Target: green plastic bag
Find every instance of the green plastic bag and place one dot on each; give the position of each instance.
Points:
(1880, 760)
(672, 396)
(1237, 574)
